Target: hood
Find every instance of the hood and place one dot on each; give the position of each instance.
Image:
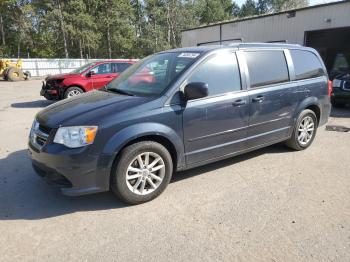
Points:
(87, 108)
(60, 76)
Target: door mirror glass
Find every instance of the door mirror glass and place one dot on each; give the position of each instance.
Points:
(196, 90)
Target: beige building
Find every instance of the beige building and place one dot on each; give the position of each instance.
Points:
(325, 27)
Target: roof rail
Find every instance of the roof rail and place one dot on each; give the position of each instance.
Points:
(277, 44)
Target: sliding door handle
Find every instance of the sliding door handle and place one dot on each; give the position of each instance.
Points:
(239, 102)
(258, 99)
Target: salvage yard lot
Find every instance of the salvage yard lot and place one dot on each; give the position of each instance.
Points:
(269, 205)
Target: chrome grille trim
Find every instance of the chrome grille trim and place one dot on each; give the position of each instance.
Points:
(38, 138)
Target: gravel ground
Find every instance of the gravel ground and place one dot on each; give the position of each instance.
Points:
(269, 205)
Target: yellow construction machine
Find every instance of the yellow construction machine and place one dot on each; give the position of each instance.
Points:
(11, 71)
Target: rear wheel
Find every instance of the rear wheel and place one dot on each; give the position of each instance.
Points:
(73, 91)
(304, 130)
(14, 74)
(142, 172)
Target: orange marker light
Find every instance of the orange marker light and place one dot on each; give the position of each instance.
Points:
(90, 134)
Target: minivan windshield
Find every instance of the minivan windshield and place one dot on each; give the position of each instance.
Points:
(152, 75)
(82, 68)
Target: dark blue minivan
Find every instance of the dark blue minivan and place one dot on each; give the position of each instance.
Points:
(180, 109)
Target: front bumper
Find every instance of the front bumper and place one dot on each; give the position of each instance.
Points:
(340, 96)
(50, 92)
(75, 171)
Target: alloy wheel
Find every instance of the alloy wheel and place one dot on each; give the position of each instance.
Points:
(145, 173)
(73, 93)
(306, 130)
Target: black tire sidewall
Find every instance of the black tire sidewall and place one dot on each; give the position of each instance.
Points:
(303, 114)
(118, 181)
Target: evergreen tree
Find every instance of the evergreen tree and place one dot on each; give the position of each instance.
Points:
(214, 10)
(262, 7)
(112, 28)
(249, 8)
(280, 5)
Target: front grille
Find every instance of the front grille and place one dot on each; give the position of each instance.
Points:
(53, 83)
(39, 135)
(44, 129)
(49, 83)
(40, 141)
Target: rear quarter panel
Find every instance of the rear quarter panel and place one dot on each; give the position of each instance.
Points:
(313, 92)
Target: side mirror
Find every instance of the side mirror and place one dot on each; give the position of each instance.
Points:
(195, 90)
(90, 73)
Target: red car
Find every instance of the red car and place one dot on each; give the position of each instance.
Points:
(83, 79)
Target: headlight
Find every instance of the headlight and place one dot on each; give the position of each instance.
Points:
(35, 126)
(75, 136)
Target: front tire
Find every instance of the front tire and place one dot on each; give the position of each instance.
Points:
(304, 131)
(73, 91)
(142, 172)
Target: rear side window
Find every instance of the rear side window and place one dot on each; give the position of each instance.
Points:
(266, 67)
(123, 66)
(220, 72)
(306, 64)
(119, 67)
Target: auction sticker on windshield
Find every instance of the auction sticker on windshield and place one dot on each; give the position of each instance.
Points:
(189, 55)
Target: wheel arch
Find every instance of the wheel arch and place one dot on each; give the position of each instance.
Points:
(311, 103)
(164, 135)
(316, 109)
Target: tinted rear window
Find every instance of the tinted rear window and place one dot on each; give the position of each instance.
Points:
(119, 67)
(306, 64)
(266, 67)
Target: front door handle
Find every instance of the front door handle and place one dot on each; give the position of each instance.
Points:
(258, 99)
(239, 102)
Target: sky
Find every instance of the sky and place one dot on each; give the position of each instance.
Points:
(312, 2)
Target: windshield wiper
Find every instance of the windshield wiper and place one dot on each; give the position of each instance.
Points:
(119, 91)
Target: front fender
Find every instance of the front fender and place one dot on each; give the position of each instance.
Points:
(130, 133)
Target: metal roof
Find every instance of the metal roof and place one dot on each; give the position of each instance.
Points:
(235, 20)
